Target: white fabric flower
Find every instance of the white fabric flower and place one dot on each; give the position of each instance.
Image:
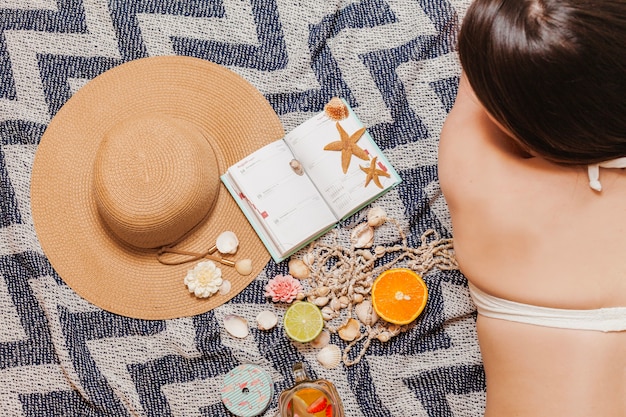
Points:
(204, 280)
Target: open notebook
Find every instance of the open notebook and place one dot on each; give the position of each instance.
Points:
(297, 188)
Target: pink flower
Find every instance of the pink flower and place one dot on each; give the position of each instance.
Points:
(282, 288)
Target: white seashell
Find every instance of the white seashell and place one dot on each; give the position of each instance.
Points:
(335, 304)
(266, 320)
(298, 269)
(329, 357)
(350, 331)
(357, 298)
(225, 287)
(366, 313)
(362, 236)
(328, 313)
(321, 301)
(383, 336)
(323, 339)
(322, 291)
(376, 216)
(236, 326)
(379, 250)
(227, 242)
(243, 266)
(308, 258)
(344, 301)
(367, 255)
(361, 290)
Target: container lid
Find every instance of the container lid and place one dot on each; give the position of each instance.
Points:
(247, 390)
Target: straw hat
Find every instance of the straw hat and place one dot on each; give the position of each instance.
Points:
(131, 164)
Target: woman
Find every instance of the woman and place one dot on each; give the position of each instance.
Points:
(539, 223)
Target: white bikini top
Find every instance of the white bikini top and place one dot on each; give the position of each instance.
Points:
(611, 319)
(593, 171)
(604, 319)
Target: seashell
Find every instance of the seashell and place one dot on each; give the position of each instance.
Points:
(379, 250)
(366, 313)
(300, 296)
(236, 326)
(335, 304)
(383, 336)
(308, 258)
(329, 356)
(328, 313)
(298, 269)
(296, 166)
(345, 301)
(225, 287)
(227, 242)
(323, 339)
(394, 328)
(266, 320)
(322, 291)
(321, 301)
(357, 298)
(335, 109)
(376, 216)
(362, 236)
(367, 255)
(361, 290)
(243, 266)
(350, 331)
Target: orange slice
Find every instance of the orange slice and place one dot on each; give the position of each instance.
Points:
(399, 295)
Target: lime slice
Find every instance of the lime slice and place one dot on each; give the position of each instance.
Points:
(303, 321)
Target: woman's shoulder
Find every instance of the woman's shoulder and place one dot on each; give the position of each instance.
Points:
(520, 216)
(478, 159)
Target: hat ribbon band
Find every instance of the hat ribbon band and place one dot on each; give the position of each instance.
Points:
(191, 256)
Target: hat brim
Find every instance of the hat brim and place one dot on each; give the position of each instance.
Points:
(86, 256)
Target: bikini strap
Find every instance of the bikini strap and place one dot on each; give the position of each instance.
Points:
(593, 171)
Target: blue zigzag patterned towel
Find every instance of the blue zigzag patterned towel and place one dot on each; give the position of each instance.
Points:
(393, 60)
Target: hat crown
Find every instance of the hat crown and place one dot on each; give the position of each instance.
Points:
(155, 178)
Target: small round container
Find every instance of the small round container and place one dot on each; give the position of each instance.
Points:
(247, 391)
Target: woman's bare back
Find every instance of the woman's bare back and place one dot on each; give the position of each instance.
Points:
(533, 232)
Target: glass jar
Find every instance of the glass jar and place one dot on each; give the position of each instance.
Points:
(307, 398)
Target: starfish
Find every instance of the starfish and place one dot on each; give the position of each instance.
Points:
(373, 173)
(348, 147)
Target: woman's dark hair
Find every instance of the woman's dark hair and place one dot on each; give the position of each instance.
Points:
(553, 72)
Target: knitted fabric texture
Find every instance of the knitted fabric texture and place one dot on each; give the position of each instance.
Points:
(395, 63)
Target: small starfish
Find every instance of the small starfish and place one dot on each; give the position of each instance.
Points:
(348, 147)
(373, 173)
